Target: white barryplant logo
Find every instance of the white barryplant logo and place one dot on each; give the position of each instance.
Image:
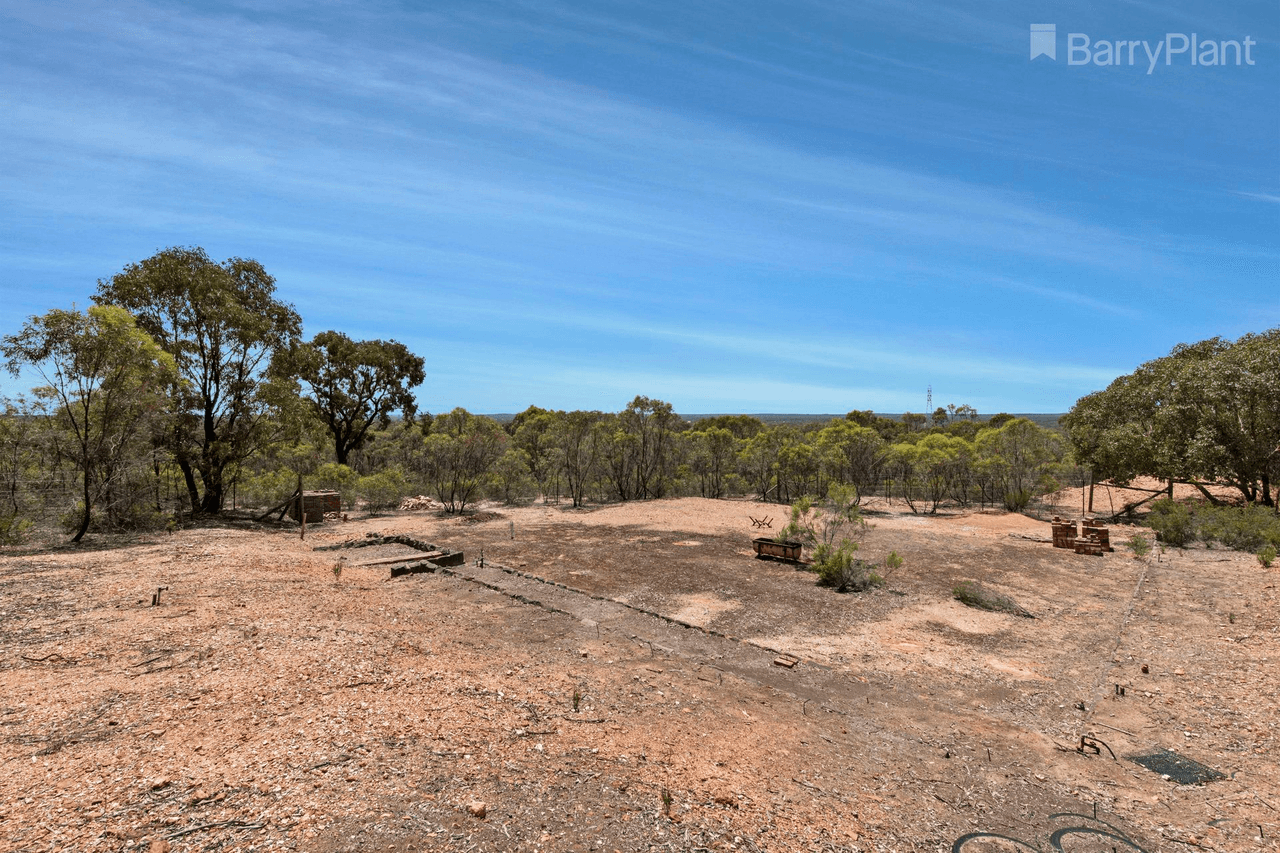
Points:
(1044, 41)
(1191, 49)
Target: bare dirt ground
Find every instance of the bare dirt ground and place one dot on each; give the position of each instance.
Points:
(607, 681)
(1109, 500)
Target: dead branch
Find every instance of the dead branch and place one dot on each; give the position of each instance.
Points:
(60, 657)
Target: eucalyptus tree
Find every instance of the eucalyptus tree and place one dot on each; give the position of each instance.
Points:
(533, 432)
(106, 384)
(1018, 455)
(853, 454)
(576, 438)
(221, 324)
(713, 453)
(460, 453)
(1208, 413)
(19, 467)
(353, 386)
(649, 426)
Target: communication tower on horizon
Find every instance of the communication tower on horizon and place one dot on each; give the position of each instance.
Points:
(928, 401)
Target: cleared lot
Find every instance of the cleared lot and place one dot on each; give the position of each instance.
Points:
(266, 704)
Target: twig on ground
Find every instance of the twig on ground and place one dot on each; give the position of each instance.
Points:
(60, 657)
(225, 824)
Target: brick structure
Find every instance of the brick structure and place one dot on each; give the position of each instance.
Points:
(1064, 533)
(316, 503)
(1102, 534)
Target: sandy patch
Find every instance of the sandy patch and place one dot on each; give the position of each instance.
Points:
(702, 609)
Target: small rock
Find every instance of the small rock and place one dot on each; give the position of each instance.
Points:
(475, 808)
(159, 845)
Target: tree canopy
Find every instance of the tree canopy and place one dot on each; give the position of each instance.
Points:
(188, 378)
(106, 381)
(354, 385)
(1207, 413)
(221, 323)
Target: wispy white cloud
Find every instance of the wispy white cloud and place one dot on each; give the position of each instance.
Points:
(1109, 306)
(780, 351)
(1267, 197)
(690, 165)
(397, 155)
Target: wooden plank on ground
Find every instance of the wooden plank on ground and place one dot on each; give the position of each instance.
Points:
(386, 561)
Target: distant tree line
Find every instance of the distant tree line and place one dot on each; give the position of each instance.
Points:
(187, 387)
(648, 451)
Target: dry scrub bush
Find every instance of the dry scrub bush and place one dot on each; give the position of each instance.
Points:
(976, 595)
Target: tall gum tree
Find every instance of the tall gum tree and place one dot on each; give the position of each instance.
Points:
(222, 325)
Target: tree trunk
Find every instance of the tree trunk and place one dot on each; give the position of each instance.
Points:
(212, 502)
(88, 508)
(1213, 501)
(190, 477)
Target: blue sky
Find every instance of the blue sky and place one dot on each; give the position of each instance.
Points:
(733, 206)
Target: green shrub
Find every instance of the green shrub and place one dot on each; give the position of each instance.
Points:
(1172, 522)
(838, 569)
(130, 517)
(13, 529)
(69, 521)
(1016, 500)
(338, 478)
(134, 516)
(1267, 556)
(384, 490)
(1241, 528)
(267, 488)
(1139, 545)
(827, 528)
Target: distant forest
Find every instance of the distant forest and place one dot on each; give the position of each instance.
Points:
(1048, 421)
(186, 389)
